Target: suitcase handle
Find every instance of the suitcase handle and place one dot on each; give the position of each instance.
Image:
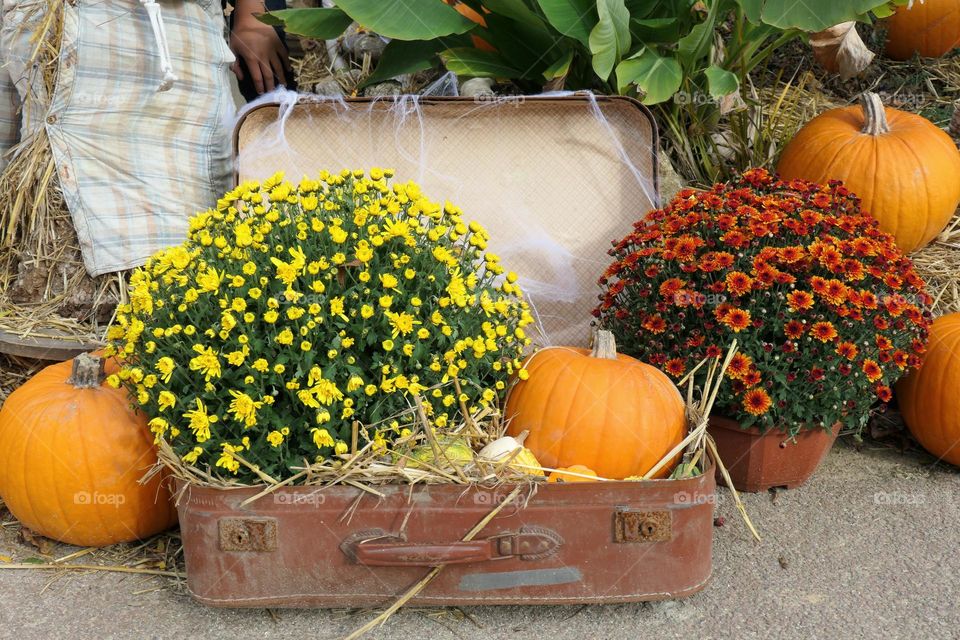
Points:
(529, 543)
(401, 554)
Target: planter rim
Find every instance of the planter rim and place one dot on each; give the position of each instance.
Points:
(724, 422)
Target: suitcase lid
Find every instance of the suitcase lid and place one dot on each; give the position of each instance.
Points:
(554, 179)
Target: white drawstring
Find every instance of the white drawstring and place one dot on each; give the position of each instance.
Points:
(160, 35)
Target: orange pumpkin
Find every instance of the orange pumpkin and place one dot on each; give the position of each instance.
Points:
(901, 165)
(609, 412)
(72, 452)
(575, 473)
(930, 29)
(929, 398)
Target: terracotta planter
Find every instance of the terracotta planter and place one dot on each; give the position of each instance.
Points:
(758, 462)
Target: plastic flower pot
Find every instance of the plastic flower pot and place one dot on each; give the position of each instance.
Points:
(760, 461)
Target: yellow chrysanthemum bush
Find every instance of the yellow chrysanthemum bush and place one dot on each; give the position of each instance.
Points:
(295, 316)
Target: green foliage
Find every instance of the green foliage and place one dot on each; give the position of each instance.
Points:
(689, 58)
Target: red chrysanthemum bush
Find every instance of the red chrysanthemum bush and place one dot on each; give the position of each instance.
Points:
(827, 311)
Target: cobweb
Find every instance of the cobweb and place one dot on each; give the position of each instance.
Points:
(554, 177)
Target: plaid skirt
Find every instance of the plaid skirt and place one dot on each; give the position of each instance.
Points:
(133, 163)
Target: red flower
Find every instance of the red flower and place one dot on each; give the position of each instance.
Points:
(713, 351)
(884, 393)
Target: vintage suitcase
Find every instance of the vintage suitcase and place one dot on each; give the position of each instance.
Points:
(554, 179)
(590, 542)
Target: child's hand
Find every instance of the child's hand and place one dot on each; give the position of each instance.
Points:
(258, 45)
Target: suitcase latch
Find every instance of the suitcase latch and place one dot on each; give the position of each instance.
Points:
(642, 526)
(248, 534)
(529, 543)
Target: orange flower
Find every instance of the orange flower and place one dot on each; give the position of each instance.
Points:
(872, 370)
(752, 378)
(675, 367)
(823, 331)
(738, 283)
(739, 366)
(847, 350)
(799, 300)
(818, 284)
(756, 402)
(836, 292)
(737, 319)
(655, 324)
(794, 329)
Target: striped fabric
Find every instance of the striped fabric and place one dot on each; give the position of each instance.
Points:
(133, 163)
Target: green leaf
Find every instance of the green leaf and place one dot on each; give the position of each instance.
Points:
(527, 47)
(319, 24)
(809, 15)
(407, 19)
(572, 18)
(652, 30)
(560, 68)
(610, 38)
(657, 76)
(721, 82)
(697, 44)
(515, 10)
(466, 61)
(403, 56)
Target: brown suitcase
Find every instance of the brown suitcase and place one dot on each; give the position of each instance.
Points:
(590, 542)
(585, 179)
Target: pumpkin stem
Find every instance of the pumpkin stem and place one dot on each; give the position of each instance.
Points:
(874, 115)
(88, 371)
(604, 345)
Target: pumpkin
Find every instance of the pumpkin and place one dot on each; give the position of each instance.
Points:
(452, 452)
(901, 165)
(72, 453)
(930, 29)
(607, 411)
(929, 397)
(575, 473)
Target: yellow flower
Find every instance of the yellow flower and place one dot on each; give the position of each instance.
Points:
(192, 456)
(207, 362)
(341, 447)
(285, 337)
(322, 438)
(271, 316)
(366, 312)
(387, 345)
(355, 382)
(200, 421)
(386, 301)
(165, 366)
(275, 438)
(209, 280)
(244, 408)
(260, 365)
(337, 234)
(337, 308)
(166, 400)
(389, 281)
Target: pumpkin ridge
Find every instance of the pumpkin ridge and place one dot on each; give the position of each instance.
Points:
(928, 196)
(548, 409)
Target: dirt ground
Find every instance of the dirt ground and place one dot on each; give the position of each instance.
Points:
(866, 550)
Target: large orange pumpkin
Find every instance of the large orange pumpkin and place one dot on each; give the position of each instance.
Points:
(72, 452)
(930, 29)
(902, 166)
(609, 412)
(929, 398)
